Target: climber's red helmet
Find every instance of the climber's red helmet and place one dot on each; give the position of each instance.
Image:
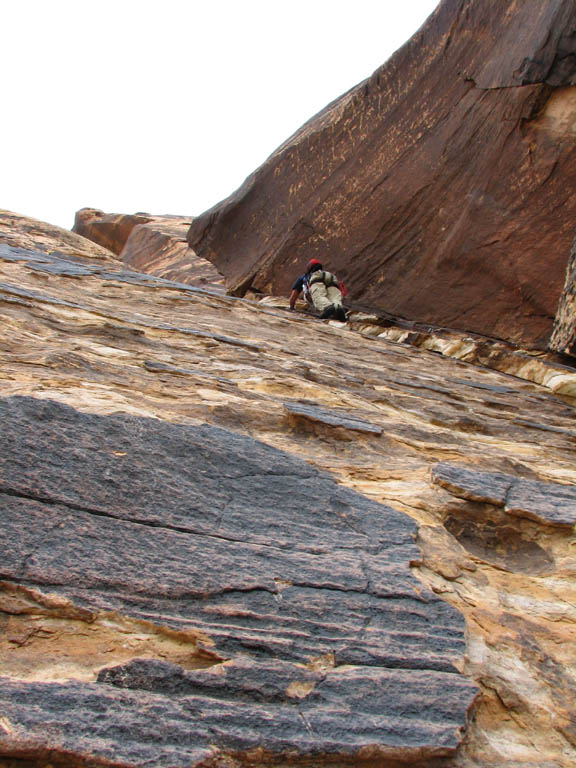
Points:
(313, 265)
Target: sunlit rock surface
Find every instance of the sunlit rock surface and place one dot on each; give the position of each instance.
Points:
(24, 232)
(439, 189)
(233, 534)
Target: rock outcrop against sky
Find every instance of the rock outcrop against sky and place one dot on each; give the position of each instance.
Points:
(235, 535)
(440, 189)
(153, 244)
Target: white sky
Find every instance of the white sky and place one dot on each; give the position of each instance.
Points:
(167, 106)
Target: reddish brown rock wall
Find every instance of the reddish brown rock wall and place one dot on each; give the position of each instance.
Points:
(439, 188)
(159, 247)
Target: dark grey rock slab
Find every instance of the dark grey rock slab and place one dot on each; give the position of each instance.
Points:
(64, 268)
(332, 418)
(149, 713)
(14, 253)
(549, 503)
(77, 722)
(484, 487)
(496, 388)
(198, 528)
(570, 433)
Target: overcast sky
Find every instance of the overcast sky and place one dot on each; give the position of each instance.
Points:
(167, 106)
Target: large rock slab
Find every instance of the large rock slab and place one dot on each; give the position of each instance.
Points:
(437, 188)
(302, 587)
(159, 247)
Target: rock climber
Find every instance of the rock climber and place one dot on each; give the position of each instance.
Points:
(321, 289)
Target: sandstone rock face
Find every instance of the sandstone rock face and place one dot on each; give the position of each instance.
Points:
(439, 189)
(153, 244)
(234, 535)
(40, 237)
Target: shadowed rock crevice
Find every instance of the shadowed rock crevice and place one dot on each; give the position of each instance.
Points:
(501, 545)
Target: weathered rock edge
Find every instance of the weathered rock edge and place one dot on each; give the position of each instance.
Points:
(564, 336)
(334, 648)
(437, 188)
(547, 503)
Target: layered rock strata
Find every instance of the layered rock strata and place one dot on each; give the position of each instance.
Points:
(43, 238)
(158, 248)
(439, 189)
(553, 371)
(208, 507)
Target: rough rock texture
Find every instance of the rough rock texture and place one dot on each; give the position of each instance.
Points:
(207, 507)
(544, 502)
(24, 232)
(546, 368)
(153, 244)
(203, 530)
(564, 336)
(440, 189)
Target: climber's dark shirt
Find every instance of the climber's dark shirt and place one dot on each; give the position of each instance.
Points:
(299, 284)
